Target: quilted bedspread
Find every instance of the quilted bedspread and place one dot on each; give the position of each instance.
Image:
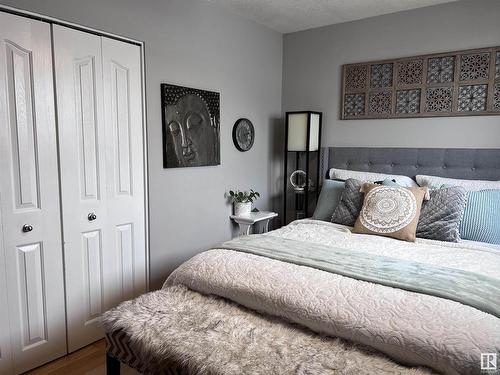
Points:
(469, 288)
(414, 328)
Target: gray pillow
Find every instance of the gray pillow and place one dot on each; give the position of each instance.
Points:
(350, 204)
(328, 199)
(440, 216)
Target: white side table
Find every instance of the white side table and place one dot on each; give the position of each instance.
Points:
(245, 222)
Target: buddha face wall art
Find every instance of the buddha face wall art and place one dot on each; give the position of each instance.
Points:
(191, 125)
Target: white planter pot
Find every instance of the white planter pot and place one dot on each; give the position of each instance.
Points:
(242, 209)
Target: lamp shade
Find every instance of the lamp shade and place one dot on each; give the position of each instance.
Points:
(298, 123)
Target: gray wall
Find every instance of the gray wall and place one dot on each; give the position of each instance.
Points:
(312, 72)
(197, 44)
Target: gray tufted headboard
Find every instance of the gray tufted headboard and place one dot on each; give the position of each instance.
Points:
(472, 164)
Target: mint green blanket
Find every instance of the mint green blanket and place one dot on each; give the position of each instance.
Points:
(469, 288)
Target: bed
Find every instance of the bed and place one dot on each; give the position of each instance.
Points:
(314, 298)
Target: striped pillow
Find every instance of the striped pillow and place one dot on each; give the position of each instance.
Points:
(481, 220)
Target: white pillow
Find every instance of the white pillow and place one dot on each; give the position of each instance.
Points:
(435, 182)
(344, 174)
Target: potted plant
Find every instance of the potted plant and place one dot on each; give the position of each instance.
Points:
(242, 201)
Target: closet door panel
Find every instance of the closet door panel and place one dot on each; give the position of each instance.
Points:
(125, 166)
(5, 349)
(102, 175)
(78, 65)
(30, 193)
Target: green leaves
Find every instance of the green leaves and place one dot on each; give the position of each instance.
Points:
(242, 196)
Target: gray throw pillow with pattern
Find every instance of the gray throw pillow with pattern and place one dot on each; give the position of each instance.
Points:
(440, 216)
(350, 203)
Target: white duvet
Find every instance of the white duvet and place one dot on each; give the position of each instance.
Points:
(413, 328)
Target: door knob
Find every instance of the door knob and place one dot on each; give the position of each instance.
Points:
(92, 216)
(27, 228)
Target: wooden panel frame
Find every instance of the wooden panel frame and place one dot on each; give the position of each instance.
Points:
(492, 89)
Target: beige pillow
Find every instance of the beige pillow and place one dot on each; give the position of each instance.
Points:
(391, 211)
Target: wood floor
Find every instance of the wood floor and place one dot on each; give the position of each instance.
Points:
(90, 360)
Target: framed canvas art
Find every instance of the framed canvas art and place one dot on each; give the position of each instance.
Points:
(191, 126)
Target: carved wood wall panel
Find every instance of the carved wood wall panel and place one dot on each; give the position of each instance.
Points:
(459, 83)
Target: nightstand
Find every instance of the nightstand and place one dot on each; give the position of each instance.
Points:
(245, 222)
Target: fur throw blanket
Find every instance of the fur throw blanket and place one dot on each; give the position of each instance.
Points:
(210, 335)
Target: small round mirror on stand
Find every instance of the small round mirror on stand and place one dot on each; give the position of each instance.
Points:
(298, 181)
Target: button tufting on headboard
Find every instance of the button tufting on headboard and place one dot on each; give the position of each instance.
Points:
(480, 164)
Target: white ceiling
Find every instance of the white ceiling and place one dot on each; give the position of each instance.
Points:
(293, 15)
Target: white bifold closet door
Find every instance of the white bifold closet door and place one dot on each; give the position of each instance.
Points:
(99, 106)
(32, 314)
(5, 350)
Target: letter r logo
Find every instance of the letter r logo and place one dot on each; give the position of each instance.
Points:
(488, 361)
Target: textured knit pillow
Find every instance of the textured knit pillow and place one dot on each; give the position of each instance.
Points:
(440, 216)
(390, 211)
(481, 220)
(351, 201)
(345, 174)
(329, 198)
(434, 182)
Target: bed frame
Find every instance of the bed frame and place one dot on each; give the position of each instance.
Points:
(463, 163)
(472, 164)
